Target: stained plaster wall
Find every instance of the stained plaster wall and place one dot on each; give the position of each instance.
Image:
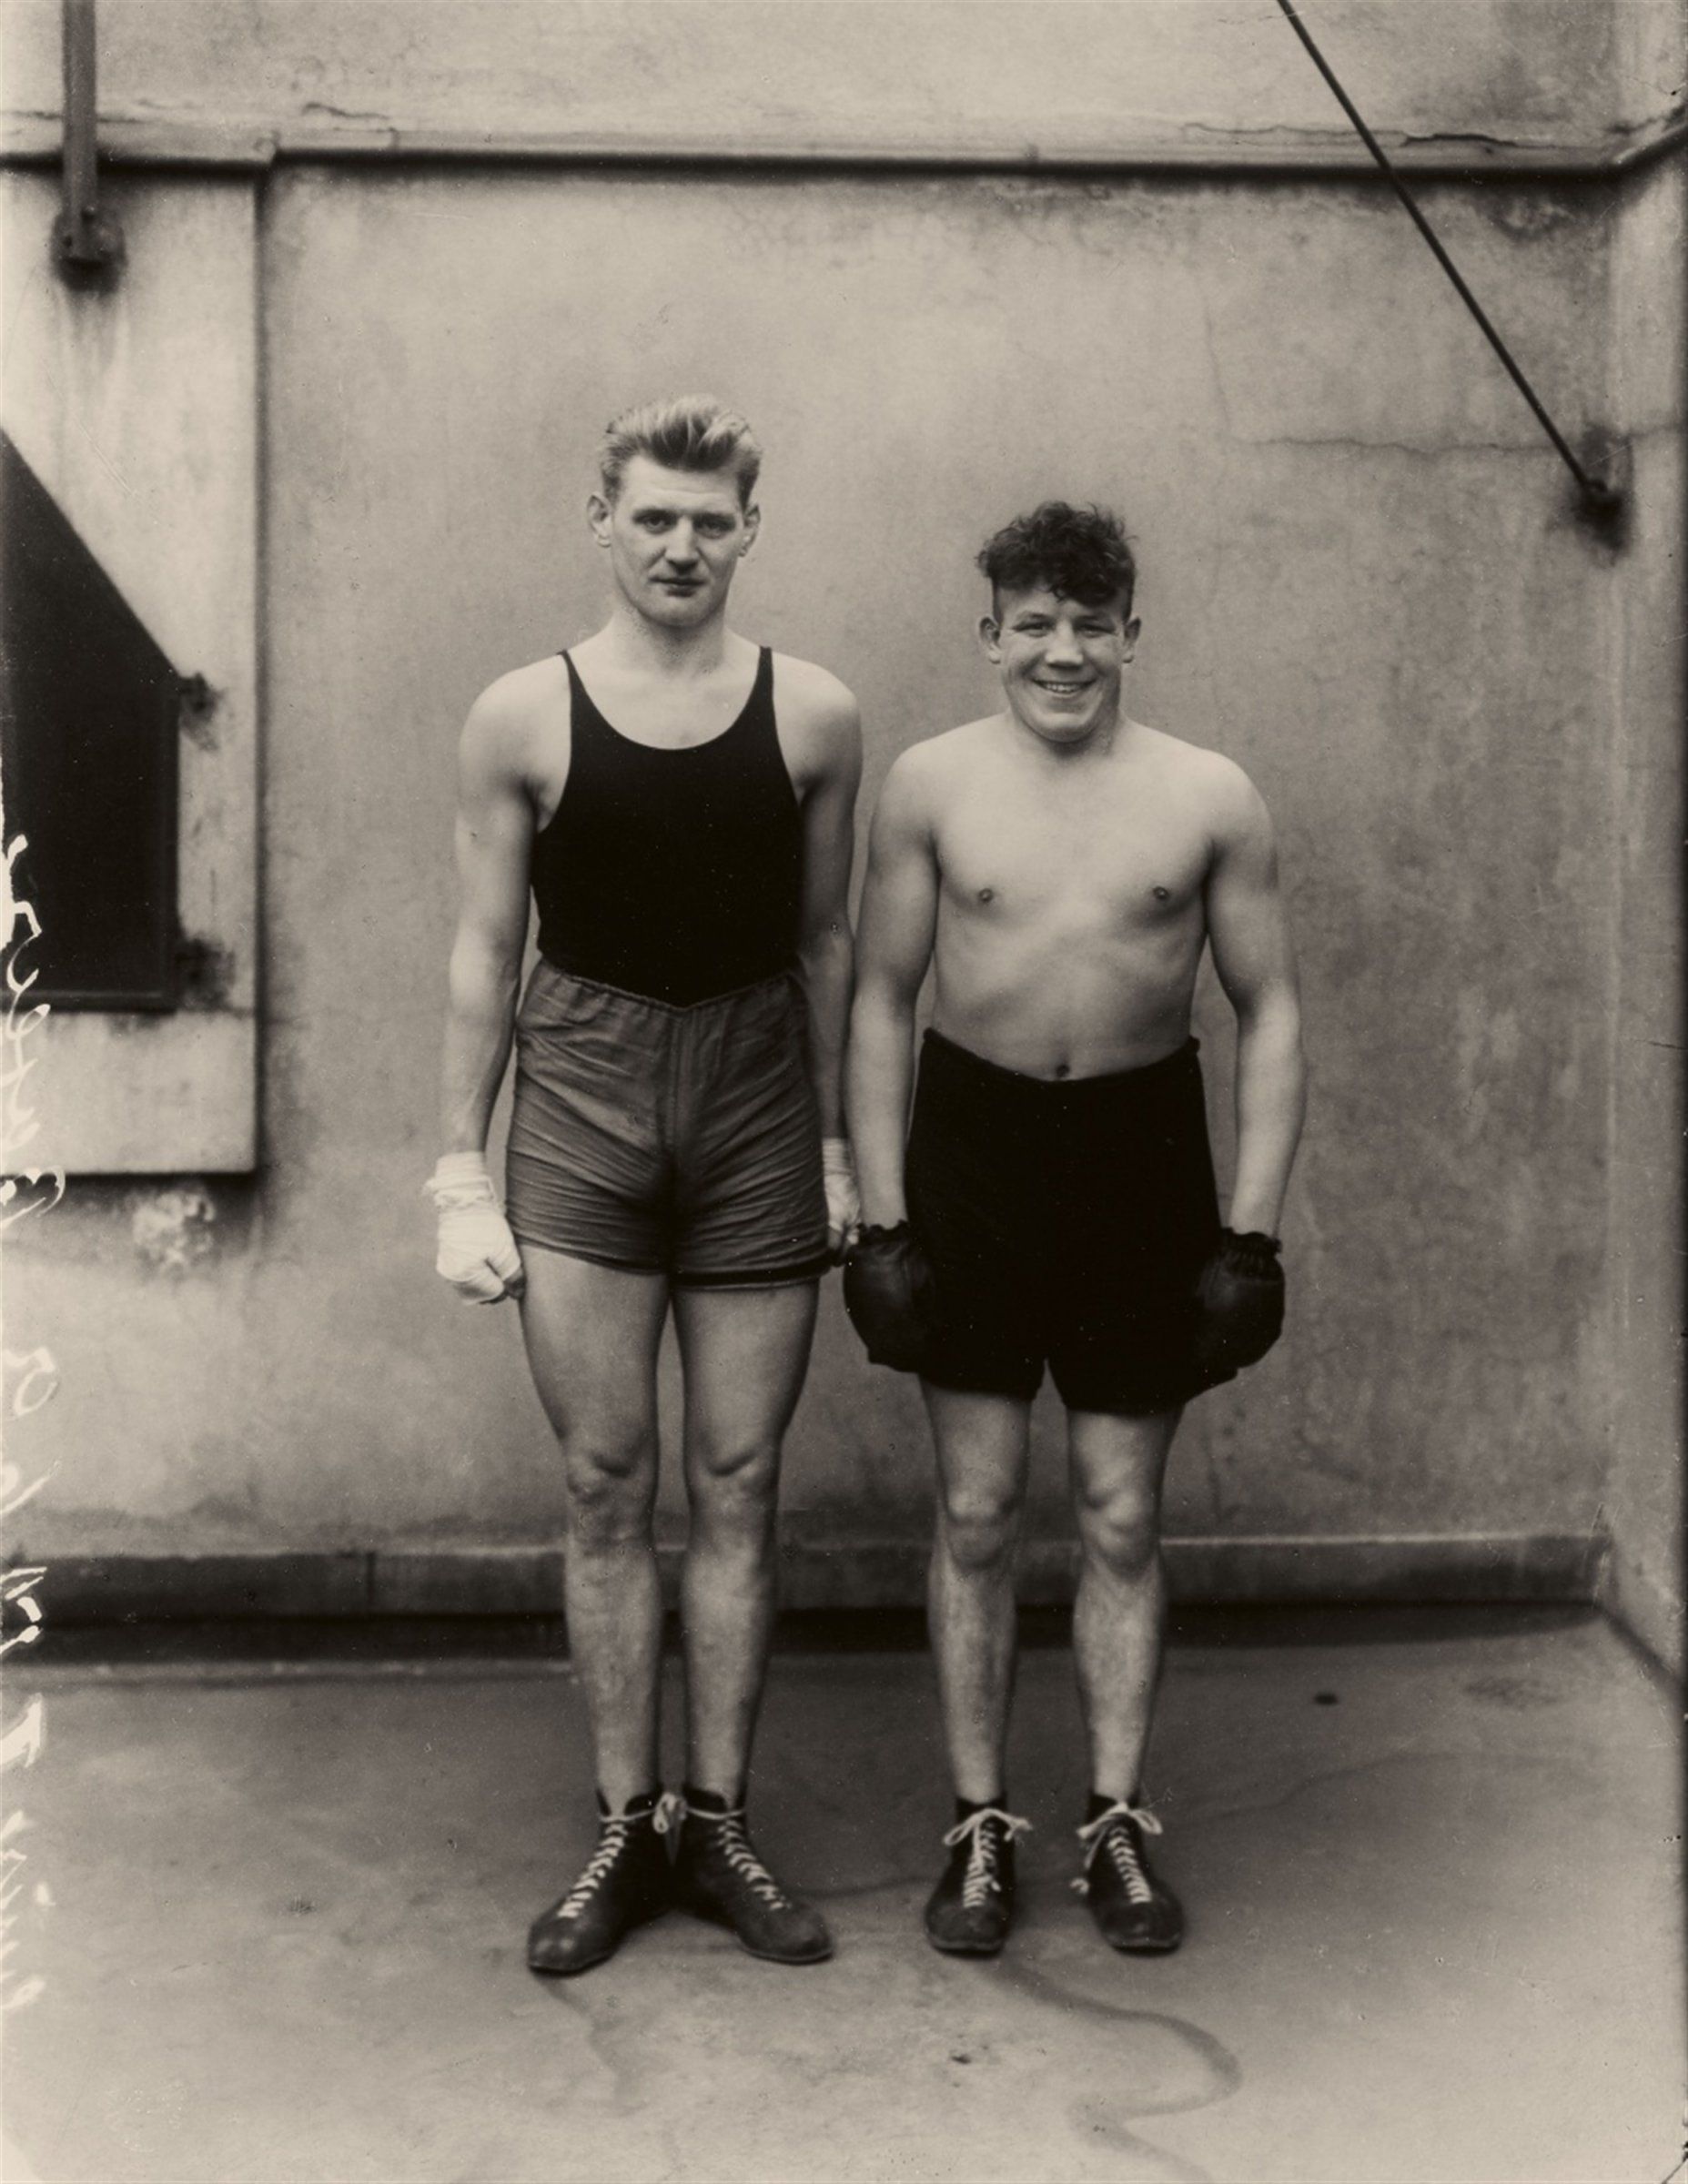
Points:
(1056, 73)
(1360, 578)
(1643, 1510)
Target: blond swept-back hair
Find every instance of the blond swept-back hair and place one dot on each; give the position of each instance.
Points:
(687, 432)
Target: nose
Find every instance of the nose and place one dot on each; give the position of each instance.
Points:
(683, 545)
(1064, 645)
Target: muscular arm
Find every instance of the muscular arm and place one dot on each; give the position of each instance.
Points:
(1252, 952)
(493, 840)
(824, 952)
(898, 921)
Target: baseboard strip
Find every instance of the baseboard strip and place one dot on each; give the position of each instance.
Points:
(815, 1574)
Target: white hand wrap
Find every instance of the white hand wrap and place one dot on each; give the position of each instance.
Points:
(478, 1254)
(843, 1201)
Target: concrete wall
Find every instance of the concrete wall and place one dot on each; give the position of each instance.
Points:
(1060, 74)
(1644, 1500)
(1360, 577)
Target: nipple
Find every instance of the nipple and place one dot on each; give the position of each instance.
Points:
(986, 895)
(1163, 895)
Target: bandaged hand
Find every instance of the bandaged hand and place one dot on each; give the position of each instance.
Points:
(478, 1254)
(843, 1201)
(1239, 1305)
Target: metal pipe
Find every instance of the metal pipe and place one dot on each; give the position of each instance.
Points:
(1633, 157)
(168, 143)
(86, 240)
(1602, 502)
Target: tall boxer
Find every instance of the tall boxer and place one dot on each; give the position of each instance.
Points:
(1052, 1201)
(678, 801)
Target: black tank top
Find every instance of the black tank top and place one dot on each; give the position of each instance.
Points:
(674, 874)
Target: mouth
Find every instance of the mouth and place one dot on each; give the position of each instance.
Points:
(1060, 690)
(680, 583)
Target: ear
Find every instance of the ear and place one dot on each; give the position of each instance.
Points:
(753, 524)
(1130, 639)
(990, 637)
(598, 514)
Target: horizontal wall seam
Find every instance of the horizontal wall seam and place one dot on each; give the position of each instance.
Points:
(816, 1572)
(181, 141)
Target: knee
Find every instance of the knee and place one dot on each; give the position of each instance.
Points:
(1121, 1532)
(977, 1531)
(735, 1484)
(611, 1484)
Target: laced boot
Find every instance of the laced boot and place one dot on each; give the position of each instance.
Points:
(718, 1876)
(972, 1907)
(624, 1882)
(1133, 1907)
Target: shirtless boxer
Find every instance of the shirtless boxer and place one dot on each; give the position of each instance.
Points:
(679, 801)
(1063, 866)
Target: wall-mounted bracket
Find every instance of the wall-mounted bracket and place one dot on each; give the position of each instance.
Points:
(87, 242)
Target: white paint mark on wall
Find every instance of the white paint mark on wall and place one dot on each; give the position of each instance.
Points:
(172, 1229)
(17, 1591)
(31, 1379)
(28, 1379)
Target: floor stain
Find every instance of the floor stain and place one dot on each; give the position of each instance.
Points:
(1512, 1691)
(1111, 2119)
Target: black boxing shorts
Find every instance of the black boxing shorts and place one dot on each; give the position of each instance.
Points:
(1065, 1224)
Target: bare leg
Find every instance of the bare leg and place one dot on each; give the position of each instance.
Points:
(982, 1448)
(592, 1334)
(746, 1353)
(1118, 1467)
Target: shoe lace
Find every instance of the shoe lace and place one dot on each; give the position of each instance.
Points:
(1112, 1830)
(612, 1838)
(611, 1841)
(735, 1847)
(991, 1830)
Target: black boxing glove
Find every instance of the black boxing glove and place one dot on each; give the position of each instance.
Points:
(890, 1296)
(1239, 1305)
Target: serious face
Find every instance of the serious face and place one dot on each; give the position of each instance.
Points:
(674, 539)
(1060, 660)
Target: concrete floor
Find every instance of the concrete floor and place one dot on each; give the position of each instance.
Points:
(1432, 1882)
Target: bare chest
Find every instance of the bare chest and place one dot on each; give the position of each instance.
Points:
(1085, 865)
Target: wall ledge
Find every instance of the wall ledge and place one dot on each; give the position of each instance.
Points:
(848, 1573)
(189, 140)
(1644, 1610)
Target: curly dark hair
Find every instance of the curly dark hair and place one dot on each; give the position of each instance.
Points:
(1078, 553)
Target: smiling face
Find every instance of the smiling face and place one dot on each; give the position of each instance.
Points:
(674, 539)
(1061, 662)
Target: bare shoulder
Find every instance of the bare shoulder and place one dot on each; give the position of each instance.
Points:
(813, 697)
(923, 780)
(931, 765)
(506, 721)
(1228, 802)
(812, 702)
